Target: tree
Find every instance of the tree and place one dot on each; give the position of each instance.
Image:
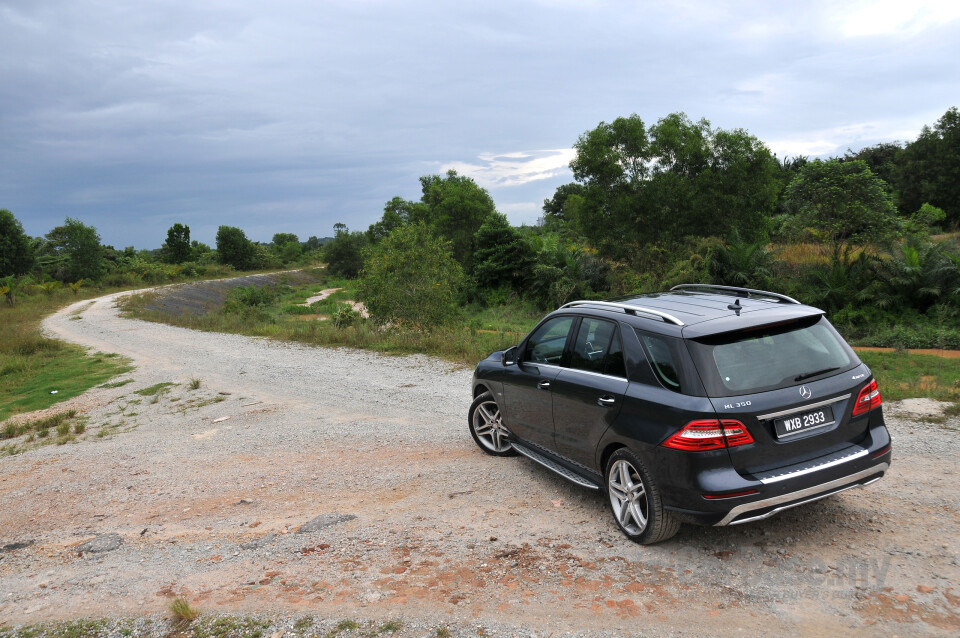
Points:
(454, 207)
(411, 278)
(16, 249)
(344, 255)
(930, 168)
(284, 238)
(176, 249)
(396, 213)
(674, 179)
(287, 247)
(234, 249)
(199, 250)
(502, 256)
(76, 252)
(554, 206)
(883, 159)
(844, 202)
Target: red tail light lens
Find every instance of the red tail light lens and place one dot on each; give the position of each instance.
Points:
(868, 399)
(697, 436)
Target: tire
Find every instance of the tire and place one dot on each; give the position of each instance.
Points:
(635, 500)
(486, 426)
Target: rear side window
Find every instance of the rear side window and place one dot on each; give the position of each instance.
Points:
(597, 348)
(664, 359)
(770, 358)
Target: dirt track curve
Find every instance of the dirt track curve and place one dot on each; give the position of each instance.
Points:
(206, 491)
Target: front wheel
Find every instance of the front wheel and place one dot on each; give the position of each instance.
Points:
(635, 500)
(486, 426)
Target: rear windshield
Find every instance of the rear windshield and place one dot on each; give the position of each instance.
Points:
(771, 357)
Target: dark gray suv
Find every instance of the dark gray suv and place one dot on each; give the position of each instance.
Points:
(705, 404)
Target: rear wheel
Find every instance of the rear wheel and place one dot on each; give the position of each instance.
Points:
(635, 500)
(486, 426)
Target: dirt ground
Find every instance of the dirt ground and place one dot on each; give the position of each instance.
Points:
(203, 493)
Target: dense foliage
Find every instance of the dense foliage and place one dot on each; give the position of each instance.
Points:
(234, 249)
(411, 278)
(16, 251)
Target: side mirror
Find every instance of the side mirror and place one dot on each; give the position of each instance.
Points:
(509, 356)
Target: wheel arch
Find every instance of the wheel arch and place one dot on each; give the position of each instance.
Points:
(607, 453)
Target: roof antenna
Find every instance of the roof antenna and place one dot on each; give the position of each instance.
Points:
(735, 306)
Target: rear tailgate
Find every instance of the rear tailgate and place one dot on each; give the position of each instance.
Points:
(798, 424)
(792, 384)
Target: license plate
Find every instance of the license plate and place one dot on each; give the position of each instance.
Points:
(797, 423)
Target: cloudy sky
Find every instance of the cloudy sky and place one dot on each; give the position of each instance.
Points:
(293, 115)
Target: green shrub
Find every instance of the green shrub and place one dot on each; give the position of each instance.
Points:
(344, 316)
(411, 278)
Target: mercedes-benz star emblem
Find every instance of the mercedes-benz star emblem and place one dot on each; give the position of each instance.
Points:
(805, 392)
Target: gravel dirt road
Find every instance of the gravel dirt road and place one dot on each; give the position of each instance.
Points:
(203, 493)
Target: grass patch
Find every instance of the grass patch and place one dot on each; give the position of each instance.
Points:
(83, 628)
(32, 365)
(342, 626)
(303, 624)
(116, 384)
(155, 389)
(389, 627)
(181, 612)
(59, 422)
(194, 384)
(904, 376)
(442, 632)
(226, 626)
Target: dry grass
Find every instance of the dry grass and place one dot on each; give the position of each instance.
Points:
(181, 611)
(811, 254)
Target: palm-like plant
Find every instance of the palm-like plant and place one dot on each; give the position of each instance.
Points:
(920, 274)
(842, 282)
(742, 263)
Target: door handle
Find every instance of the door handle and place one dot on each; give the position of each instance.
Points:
(544, 385)
(606, 401)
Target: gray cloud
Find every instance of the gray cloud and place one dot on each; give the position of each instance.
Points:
(291, 116)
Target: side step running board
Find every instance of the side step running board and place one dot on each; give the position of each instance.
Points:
(552, 465)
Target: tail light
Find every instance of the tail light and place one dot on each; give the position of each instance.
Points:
(711, 434)
(868, 399)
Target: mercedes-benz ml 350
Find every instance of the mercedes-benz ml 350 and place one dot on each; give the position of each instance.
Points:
(704, 404)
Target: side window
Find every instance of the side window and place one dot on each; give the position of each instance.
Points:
(614, 364)
(663, 361)
(545, 345)
(597, 348)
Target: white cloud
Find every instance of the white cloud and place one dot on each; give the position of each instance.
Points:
(895, 17)
(836, 140)
(516, 168)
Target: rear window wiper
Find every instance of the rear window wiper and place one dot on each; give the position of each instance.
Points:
(801, 377)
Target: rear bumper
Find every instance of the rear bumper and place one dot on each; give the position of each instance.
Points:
(755, 497)
(759, 510)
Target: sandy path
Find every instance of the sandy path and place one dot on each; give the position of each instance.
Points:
(442, 533)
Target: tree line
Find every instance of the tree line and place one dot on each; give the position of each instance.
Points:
(678, 201)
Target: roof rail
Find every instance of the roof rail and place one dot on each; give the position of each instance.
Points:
(745, 292)
(629, 309)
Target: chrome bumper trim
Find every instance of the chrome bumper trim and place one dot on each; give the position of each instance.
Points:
(815, 493)
(776, 478)
(802, 408)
